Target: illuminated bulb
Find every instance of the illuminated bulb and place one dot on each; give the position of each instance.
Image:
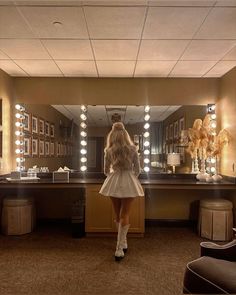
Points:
(213, 133)
(18, 116)
(19, 151)
(83, 133)
(83, 151)
(83, 108)
(213, 160)
(83, 168)
(208, 169)
(18, 142)
(83, 125)
(213, 107)
(147, 109)
(146, 160)
(146, 125)
(146, 143)
(18, 169)
(18, 124)
(213, 169)
(146, 152)
(83, 142)
(146, 169)
(213, 124)
(83, 160)
(18, 133)
(146, 117)
(213, 116)
(146, 134)
(19, 160)
(83, 117)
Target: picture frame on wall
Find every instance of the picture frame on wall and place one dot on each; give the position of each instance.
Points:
(181, 125)
(47, 148)
(52, 130)
(35, 147)
(34, 125)
(27, 122)
(167, 133)
(52, 149)
(27, 147)
(176, 129)
(41, 127)
(171, 131)
(41, 148)
(47, 129)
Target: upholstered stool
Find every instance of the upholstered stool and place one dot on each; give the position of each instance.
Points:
(18, 215)
(215, 219)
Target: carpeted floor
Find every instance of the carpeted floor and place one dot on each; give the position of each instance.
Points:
(49, 261)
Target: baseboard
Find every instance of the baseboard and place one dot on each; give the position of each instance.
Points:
(170, 223)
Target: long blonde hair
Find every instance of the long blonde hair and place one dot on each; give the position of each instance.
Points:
(119, 146)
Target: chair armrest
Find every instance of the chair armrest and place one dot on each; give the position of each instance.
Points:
(225, 252)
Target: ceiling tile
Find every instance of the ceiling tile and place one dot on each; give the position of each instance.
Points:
(41, 20)
(69, 49)
(207, 49)
(23, 49)
(39, 67)
(221, 68)
(220, 24)
(231, 55)
(11, 68)
(77, 68)
(226, 3)
(173, 22)
(115, 22)
(3, 56)
(12, 25)
(191, 68)
(182, 3)
(161, 49)
(115, 68)
(115, 49)
(153, 68)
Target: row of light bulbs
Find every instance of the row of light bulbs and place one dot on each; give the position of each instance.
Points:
(83, 138)
(211, 161)
(146, 136)
(19, 132)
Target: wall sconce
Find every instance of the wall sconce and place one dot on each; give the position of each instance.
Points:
(83, 138)
(146, 136)
(173, 160)
(19, 133)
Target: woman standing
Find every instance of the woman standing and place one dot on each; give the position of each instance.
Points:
(121, 166)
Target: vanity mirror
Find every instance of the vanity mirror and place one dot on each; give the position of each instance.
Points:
(52, 134)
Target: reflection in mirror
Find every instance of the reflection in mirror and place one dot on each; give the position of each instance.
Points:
(52, 134)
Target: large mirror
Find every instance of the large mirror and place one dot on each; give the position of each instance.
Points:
(52, 134)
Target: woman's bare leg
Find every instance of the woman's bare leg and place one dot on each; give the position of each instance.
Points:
(126, 205)
(116, 203)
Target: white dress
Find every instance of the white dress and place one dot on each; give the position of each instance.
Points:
(122, 183)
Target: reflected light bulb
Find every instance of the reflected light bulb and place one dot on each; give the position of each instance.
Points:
(83, 125)
(83, 108)
(83, 168)
(146, 117)
(83, 142)
(83, 117)
(146, 169)
(83, 151)
(83, 133)
(146, 125)
(147, 108)
(146, 152)
(146, 143)
(146, 134)
(83, 160)
(146, 160)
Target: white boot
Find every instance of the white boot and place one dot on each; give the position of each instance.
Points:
(121, 237)
(124, 240)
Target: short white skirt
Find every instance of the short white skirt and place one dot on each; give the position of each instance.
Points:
(122, 184)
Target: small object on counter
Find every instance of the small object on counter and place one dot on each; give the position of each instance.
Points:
(15, 175)
(60, 170)
(66, 168)
(60, 176)
(209, 179)
(202, 176)
(217, 178)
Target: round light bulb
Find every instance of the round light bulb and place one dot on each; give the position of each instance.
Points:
(213, 124)
(146, 143)
(146, 160)
(18, 124)
(18, 160)
(213, 160)
(18, 115)
(146, 152)
(83, 142)
(146, 169)
(83, 133)
(83, 108)
(18, 106)
(83, 160)
(214, 133)
(146, 117)
(18, 142)
(18, 133)
(213, 169)
(83, 117)
(18, 151)
(146, 134)
(83, 168)
(213, 116)
(146, 125)
(83, 125)
(147, 109)
(83, 151)
(213, 107)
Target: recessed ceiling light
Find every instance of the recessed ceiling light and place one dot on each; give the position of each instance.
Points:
(57, 24)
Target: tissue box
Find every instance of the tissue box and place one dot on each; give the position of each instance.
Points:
(60, 176)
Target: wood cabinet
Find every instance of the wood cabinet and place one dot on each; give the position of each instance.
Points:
(99, 215)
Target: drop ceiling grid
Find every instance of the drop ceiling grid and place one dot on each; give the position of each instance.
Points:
(158, 66)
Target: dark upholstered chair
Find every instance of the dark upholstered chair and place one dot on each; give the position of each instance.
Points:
(214, 272)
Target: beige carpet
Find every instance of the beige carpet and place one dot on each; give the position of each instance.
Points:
(49, 261)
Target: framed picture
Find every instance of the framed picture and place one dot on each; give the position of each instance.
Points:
(27, 147)
(52, 149)
(167, 133)
(47, 129)
(181, 125)
(176, 129)
(47, 148)
(41, 127)
(41, 147)
(34, 147)
(52, 130)
(171, 131)
(34, 124)
(27, 122)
